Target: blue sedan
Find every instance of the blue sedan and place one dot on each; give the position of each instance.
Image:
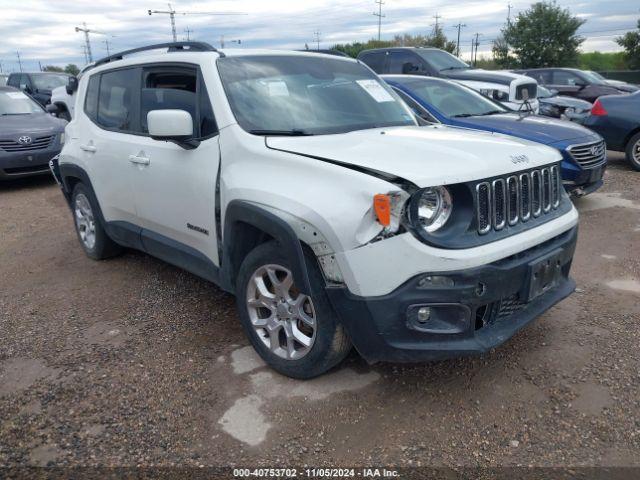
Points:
(584, 155)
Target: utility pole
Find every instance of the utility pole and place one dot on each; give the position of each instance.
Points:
(477, 44)
(188, 31)
(316, 36)
(380, 17)
(106, 45)
(86, 38)
(84, 52)
(172, 16)
(437, 24)
(0, 66)
(19, 61)
(40, 65)
(509, 6)
(460, 26)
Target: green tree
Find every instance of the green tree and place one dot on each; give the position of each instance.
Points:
(543, 36)
(52, 68)
(72, 69)
(501, 53)
(630, 41)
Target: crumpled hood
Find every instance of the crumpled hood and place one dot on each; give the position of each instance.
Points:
(426, 156)
(531, 127)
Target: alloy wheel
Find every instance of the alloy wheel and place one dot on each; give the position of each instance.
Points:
(85, 222)
(283, 318)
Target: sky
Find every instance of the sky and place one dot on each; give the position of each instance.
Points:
(44, 31)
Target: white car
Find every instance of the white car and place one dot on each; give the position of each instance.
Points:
(62, 102)
(302, 184)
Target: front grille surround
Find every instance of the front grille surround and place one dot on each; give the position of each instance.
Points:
(508, 201)
(589, 154)
(38, 143)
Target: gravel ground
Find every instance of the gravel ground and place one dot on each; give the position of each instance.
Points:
(131, 362)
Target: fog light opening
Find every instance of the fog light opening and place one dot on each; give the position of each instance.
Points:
(424, 314)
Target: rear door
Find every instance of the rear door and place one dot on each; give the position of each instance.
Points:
(109, 131)
(176, 188)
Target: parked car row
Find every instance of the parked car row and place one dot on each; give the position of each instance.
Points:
(584, 156)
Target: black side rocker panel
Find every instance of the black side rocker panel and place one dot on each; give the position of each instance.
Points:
(238, 212)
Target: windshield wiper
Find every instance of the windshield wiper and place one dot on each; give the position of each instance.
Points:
(282, 133)
(454, 68)
(25, 113)
(492, 112)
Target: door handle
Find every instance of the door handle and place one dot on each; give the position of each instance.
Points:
(88, 148)
(139, 160)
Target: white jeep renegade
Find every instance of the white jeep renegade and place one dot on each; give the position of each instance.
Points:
(303, 185)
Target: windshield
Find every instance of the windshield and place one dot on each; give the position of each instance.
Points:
(299, 95)
(49, 81)
(451, 99)
(17, 103)
(543, 92)
(593, 78)
(441, 60)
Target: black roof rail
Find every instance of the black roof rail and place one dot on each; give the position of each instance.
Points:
(171, 47)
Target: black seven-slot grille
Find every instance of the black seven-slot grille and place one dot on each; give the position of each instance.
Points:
(38, 143)
(507, 201)
(589, 154)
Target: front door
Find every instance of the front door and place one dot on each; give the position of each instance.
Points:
(175, 188)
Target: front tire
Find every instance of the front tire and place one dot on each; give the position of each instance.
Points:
(633, 151)
(91, 233)
(297, 335)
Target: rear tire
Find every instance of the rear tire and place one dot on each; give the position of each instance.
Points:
(633, 151)
(91, 233)
(297, 335)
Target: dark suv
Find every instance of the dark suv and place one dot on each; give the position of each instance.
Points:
(38, 84)
(514, 90)
(572, 82)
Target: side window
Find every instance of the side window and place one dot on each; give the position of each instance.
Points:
(91, 97)
(560, 77)
(542, 77)
(177, 88)
(375, 61)
(115, 100)
(404, 62)
(14, 81)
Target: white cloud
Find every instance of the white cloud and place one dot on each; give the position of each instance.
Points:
(43, 31)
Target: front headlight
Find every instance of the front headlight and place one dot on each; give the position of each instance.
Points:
(430, 208)
(495, 94)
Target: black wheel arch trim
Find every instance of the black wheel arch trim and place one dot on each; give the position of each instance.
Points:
(244, 212)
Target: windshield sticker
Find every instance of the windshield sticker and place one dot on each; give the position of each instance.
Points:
(16, 95)
(278, 89)
(377, 91)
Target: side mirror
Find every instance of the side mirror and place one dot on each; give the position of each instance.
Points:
(173, 126)
(72, 85)
(53, 109)
(408, 68)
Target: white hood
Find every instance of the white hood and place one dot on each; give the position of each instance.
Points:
(426, 156)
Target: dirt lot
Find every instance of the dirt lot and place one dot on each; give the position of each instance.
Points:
(133, 362)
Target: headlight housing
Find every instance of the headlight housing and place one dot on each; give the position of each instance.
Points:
(430, 208)
(495, 94)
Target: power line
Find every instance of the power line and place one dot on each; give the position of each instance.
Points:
(380, 17)
(86, 38)
(172, 16)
